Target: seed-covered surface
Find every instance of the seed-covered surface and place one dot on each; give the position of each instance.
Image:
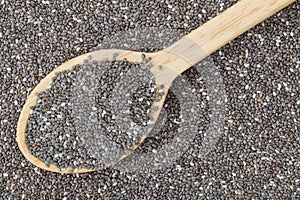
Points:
(84, 108)
(257, 156)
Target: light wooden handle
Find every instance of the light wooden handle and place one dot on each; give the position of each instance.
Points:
(224, 28)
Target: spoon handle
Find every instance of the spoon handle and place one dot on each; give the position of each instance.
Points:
(222, 29)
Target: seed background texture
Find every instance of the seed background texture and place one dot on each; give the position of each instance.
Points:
(256, 157)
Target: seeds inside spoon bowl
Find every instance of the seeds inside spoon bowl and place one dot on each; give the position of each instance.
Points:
(164, 66)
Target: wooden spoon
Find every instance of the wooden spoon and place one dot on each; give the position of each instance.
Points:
(167, 63)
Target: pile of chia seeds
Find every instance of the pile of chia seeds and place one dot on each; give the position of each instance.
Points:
(256, 154)
(91, 114)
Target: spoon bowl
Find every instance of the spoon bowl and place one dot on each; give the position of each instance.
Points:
(99, 56)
